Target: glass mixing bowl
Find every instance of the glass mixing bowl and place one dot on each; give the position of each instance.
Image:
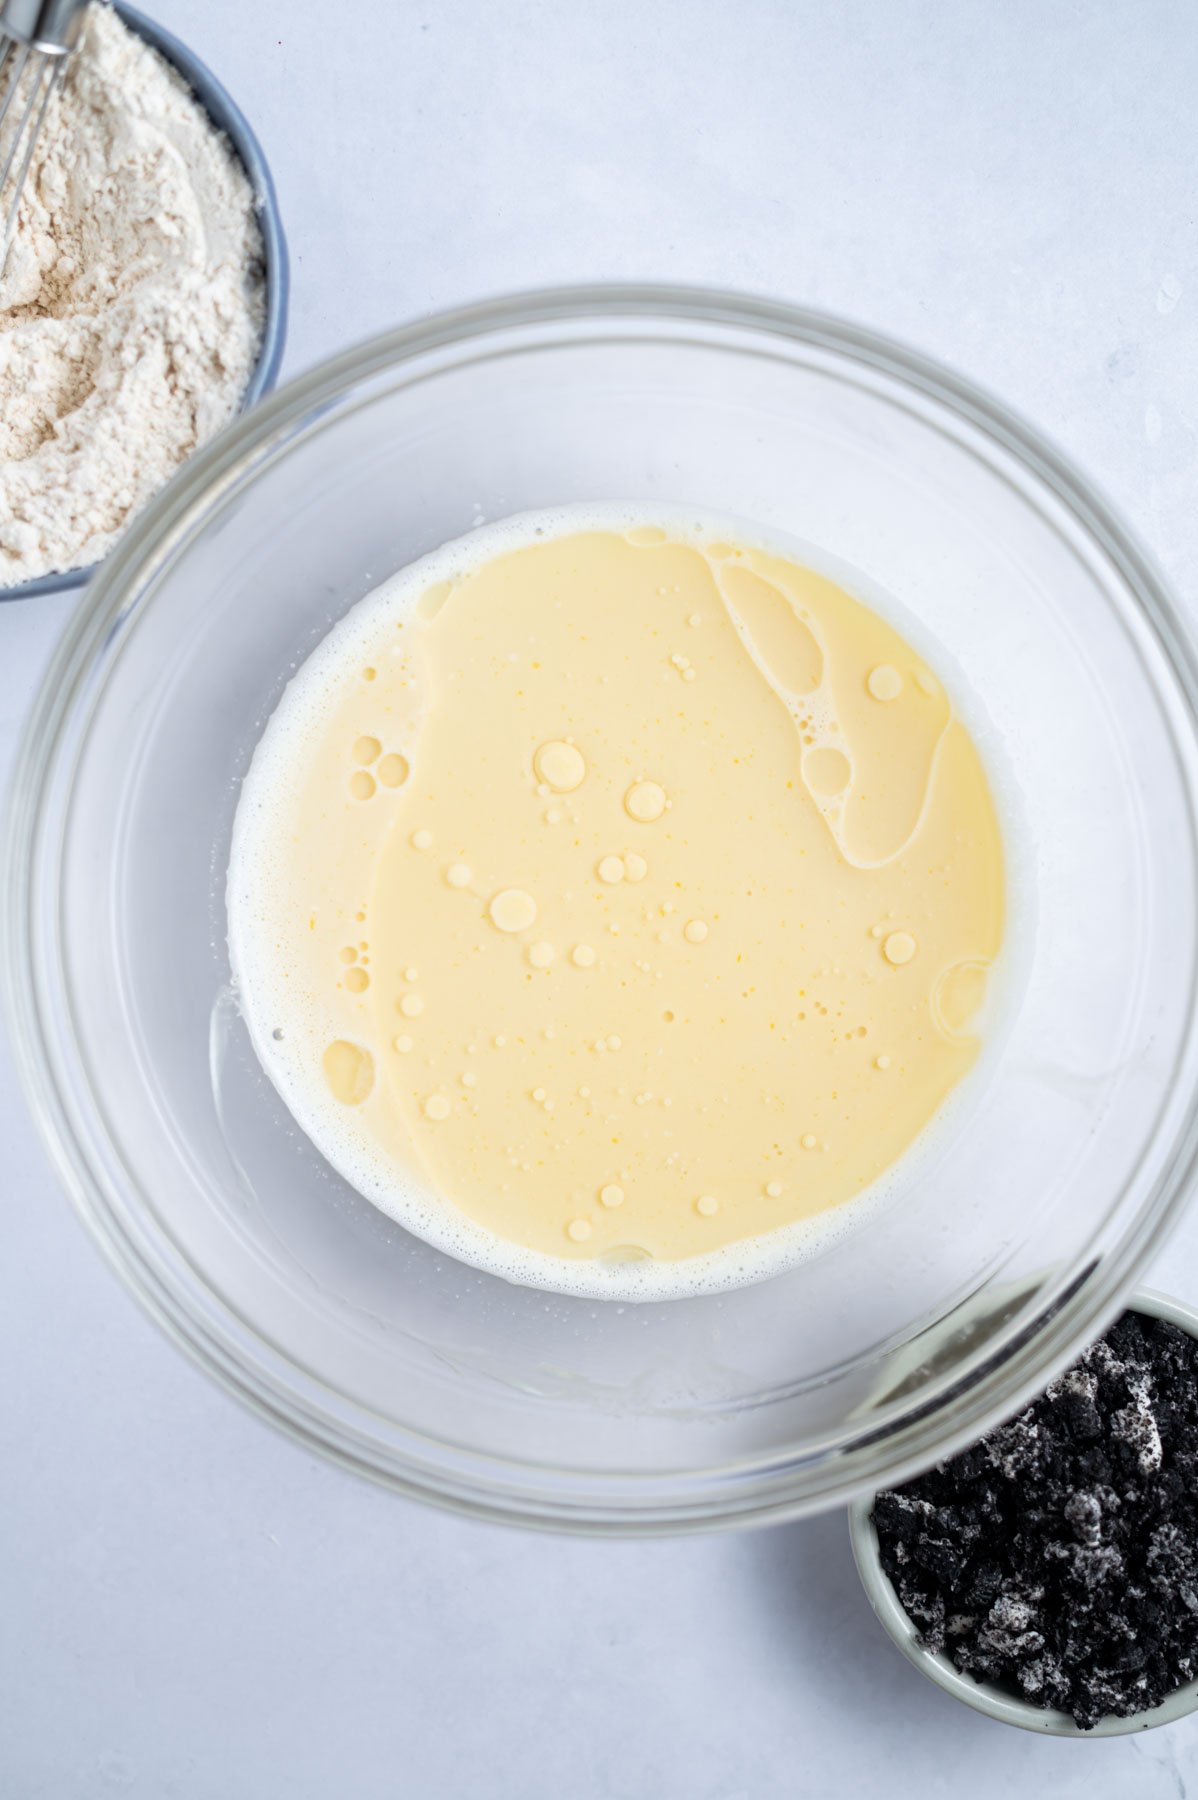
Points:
(903, 1341)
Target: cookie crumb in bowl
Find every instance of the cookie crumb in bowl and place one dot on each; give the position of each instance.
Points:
(132, 305)
(1049, 1573)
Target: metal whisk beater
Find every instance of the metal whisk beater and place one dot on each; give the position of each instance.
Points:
(36, 38)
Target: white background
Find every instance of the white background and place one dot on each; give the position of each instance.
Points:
(192, 1607)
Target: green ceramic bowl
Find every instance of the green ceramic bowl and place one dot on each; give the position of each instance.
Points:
(983, 1696)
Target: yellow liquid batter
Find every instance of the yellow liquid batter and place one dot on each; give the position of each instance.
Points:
(620, 898)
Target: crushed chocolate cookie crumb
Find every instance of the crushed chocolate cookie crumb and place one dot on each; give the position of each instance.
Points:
(1058, 1557)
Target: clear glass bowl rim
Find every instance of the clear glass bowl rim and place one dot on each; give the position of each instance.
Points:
(992, 1384)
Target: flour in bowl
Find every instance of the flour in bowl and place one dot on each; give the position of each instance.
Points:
(131, 308)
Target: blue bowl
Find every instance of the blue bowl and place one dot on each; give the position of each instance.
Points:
(229, 118)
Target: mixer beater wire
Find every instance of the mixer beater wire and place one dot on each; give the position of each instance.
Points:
(36, 39)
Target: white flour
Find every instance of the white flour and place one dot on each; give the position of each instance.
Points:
(131, 309)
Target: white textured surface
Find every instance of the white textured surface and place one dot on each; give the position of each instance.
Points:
(191, 1608)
